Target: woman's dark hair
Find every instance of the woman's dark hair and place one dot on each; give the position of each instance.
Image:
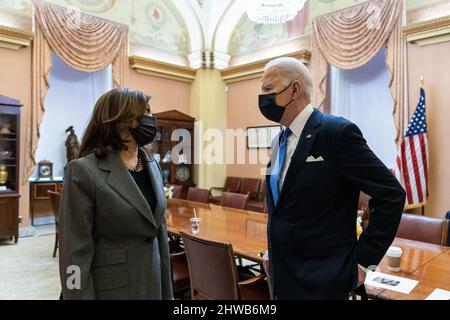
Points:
(113, 112)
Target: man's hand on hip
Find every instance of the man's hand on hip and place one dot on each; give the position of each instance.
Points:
(362, 273)
(266, 262)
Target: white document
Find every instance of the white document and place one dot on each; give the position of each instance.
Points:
(387, 281)
(439, 294)
(3, 188)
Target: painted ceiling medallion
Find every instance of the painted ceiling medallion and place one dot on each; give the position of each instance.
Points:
(95, 6)
(156, 14)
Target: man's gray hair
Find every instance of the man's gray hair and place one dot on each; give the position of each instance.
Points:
(293, 69)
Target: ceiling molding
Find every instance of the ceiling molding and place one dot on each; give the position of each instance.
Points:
(161, 69)
(428, 11)
(194, 26)
(429, 32)
(14, 39)
(256, 69)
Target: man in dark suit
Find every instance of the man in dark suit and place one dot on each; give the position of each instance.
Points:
(318, 167)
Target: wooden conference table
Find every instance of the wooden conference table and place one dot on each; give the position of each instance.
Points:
(246, 231)
(425, 262)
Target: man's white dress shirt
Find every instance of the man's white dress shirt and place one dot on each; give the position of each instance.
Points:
(296, 127)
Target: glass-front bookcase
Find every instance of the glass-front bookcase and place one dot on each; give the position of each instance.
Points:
(173, 148)
(9, 166)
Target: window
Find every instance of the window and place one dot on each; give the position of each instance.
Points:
(363, 96)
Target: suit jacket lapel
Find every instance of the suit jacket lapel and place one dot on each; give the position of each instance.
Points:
(157, 185)
(269, 196)
(302, 151)
(120, 180)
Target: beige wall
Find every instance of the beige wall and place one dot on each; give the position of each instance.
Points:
(433, 63)
(166, 94)
(243, 112)
(15, 82)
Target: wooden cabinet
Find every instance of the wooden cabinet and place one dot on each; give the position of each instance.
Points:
(9, 167)
(9, 217)
(38, 193)
(174, 148)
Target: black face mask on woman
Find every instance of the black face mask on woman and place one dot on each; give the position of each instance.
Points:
(269, 107)
(146, 131)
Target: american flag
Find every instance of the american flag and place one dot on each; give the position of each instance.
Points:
(413, 158)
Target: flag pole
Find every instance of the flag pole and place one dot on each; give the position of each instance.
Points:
(422, 87)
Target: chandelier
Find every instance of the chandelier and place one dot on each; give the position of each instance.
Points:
(272, 11)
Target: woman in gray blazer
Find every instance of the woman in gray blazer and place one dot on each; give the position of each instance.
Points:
(113, 236)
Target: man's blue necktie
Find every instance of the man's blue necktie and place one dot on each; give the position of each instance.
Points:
(278, 166)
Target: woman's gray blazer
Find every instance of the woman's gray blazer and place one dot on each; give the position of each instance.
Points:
(112, 245)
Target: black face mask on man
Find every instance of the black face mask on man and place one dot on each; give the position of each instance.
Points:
(146, 131)
(269, 107)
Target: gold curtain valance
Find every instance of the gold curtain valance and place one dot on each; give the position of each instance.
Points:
(350, 38)
(85, 43)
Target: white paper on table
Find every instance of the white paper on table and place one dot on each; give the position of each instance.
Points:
(390, 282)
(439, 294)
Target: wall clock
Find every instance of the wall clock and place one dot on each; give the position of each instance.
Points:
(183, 173)
(45, 170)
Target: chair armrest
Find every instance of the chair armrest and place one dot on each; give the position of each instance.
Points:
(256, 288)
(251, 281)
(178, 255)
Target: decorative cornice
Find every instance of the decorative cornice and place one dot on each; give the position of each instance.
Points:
(162, 69)
(256, 69)
(429, 32)
(430, 11)
(15, 39)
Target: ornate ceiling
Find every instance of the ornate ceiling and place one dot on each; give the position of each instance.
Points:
(177, 26)
(189, 28)
(250, 37)
(153, 23)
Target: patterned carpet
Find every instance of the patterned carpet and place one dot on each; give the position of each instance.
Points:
(27, 270)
